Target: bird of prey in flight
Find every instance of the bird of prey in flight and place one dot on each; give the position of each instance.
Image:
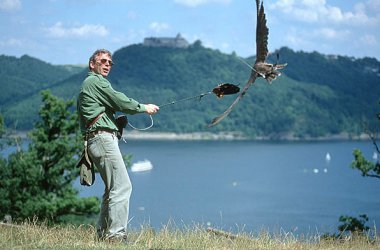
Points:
(261, 68)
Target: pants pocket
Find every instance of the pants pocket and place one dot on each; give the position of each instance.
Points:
(95, 148)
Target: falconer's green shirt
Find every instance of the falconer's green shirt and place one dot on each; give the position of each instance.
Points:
(97, 96)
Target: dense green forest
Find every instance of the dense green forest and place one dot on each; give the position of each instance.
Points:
(317, 95)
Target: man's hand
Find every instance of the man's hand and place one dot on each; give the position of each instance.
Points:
(151, 108)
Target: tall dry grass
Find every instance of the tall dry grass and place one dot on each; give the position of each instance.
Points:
(32, 235)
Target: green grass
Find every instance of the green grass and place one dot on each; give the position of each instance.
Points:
(39, 236)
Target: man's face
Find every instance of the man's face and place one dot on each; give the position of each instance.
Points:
(102, 64)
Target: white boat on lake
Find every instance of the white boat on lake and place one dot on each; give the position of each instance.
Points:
(140, 166)
(328, 157)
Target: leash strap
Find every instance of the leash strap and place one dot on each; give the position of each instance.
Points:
(142, 129)
(92, 123)
(95, 120)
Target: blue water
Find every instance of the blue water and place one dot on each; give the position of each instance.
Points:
(249, 186)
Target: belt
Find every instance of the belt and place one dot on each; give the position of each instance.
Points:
(100, 131)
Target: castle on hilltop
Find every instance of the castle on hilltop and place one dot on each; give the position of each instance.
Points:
(176, 42)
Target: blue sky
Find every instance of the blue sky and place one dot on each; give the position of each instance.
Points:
(68, 31)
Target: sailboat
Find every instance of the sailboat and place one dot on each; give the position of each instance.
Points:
(328, 157)
(140, 166)
(374, 156)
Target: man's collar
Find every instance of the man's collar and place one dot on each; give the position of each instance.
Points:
(92, 73)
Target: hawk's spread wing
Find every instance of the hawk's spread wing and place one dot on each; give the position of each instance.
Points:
(262, 32)
(261, 54)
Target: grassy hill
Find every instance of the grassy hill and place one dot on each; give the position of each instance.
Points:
(318, 95)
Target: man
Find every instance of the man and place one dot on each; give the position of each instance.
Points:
(97, 104)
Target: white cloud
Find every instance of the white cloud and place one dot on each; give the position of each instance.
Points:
(311, 11)
(284, 5)
(195, 3)
(368, 40)
(9, 5)
(12, 42)
(374, 5)
(86, 30)
(225, 46)
(314, 38)
(327, 33)
(295, 38)
(134, 35)
(330, 33)
(158, 27)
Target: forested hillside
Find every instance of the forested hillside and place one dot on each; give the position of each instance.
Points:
(21, 77)
(318, 95)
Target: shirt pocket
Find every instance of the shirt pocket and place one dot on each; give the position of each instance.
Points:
(104, 83)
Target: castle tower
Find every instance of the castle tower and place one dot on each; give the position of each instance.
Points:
(176, 42)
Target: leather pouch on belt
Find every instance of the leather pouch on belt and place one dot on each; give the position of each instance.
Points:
(87, 171)
(121, 123)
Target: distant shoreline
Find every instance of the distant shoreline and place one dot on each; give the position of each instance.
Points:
(226, 136)
(136, 135)
(233, 136)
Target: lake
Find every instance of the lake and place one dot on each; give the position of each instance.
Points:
(249, 186)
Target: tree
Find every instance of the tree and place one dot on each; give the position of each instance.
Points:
(368, 169)
(38, 182)
(2, 130)
(353, 224)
